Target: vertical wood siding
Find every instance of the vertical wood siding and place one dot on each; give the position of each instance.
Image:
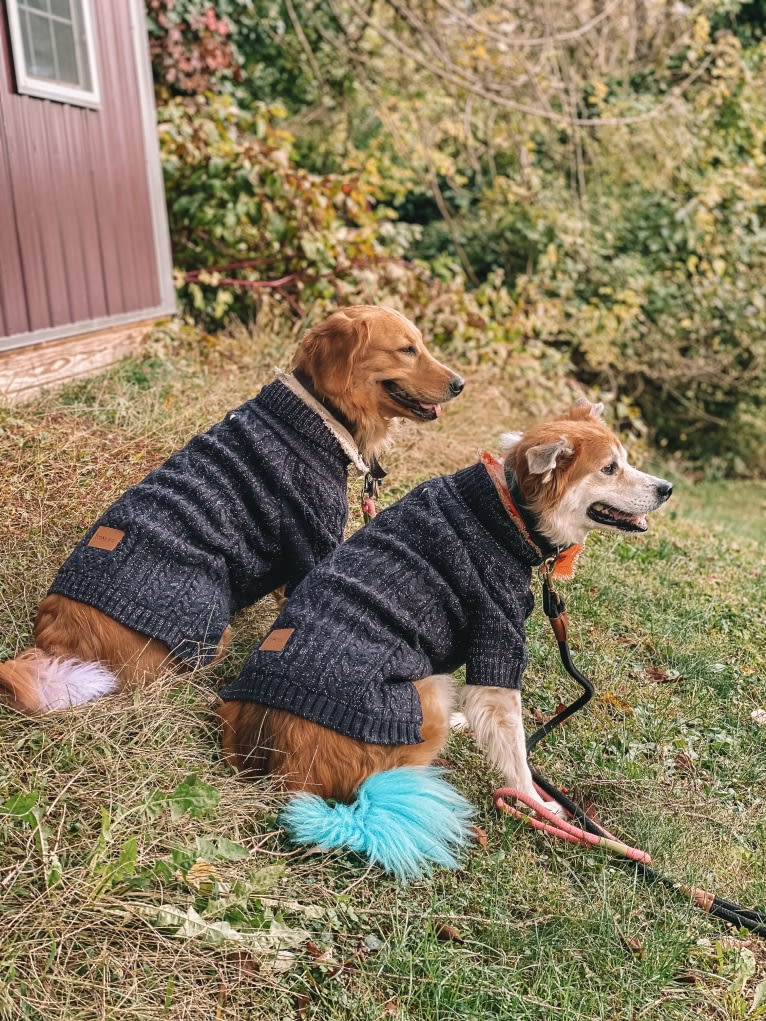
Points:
(76, 232)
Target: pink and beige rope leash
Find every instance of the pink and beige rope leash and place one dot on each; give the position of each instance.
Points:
(554, 826)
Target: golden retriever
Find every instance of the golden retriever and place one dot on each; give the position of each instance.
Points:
(243, 509)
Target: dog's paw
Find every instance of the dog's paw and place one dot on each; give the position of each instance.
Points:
(555, 808)
(534, 799)
(458, 721)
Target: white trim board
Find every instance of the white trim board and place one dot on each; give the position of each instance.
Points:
(160, 227)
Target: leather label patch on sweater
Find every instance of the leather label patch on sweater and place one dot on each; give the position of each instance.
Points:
(276, 640)
(106, 538)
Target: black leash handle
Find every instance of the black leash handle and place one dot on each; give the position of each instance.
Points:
(735, 914)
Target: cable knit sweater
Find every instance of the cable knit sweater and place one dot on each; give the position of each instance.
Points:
(252, 504)
(439, 579)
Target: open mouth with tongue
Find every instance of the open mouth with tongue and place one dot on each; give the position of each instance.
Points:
(606, 515)
(420, 409)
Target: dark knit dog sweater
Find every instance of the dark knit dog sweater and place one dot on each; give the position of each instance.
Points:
(252, 504)
(439, 579)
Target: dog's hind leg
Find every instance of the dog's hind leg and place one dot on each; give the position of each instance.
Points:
(437, 698)
(80, 654)
(494, 716)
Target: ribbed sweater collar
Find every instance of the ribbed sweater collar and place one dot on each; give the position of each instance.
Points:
(280, 400)
(478, 491)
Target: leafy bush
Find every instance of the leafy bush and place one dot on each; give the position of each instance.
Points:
(191, 46)
(244, 216)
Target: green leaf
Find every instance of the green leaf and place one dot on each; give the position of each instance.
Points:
(220, 847)
(189, 924)
(744, 970)
(266, 879)
(23, 807)
(123, 868)
(193, 797)
(758, 1006)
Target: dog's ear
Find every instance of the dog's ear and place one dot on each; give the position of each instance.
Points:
(546, 457)
(329, 350)
(584, 409)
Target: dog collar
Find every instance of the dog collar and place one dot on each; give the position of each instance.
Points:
(563, 559)
(308, 384)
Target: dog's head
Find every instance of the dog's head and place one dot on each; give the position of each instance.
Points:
(574, 475)
(371, 363)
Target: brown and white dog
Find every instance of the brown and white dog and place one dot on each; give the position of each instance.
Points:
(356, 371)
(406, 591)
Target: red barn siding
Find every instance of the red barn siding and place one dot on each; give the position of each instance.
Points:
(77, 236)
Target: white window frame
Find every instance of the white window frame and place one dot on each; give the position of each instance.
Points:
(44, 88)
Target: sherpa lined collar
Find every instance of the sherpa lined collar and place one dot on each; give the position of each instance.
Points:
(341, 434)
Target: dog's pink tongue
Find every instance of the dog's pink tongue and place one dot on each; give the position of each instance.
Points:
(436, 408)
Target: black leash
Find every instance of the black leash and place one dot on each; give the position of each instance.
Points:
(555, 610)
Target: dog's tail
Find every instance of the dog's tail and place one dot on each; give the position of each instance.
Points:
(36, 682)
(405, 820)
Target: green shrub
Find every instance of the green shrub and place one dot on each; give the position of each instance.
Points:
(244, 216)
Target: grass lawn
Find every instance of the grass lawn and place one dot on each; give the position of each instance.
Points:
(140, 880)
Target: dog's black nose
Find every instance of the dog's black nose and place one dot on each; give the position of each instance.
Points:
(664, 489)
(456, 385)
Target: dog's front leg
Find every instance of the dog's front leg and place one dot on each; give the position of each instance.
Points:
(494, 715)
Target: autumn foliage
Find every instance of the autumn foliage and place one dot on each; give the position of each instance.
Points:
(593, 188)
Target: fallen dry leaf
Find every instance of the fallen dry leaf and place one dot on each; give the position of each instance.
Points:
(635, 946)
(247, 964)
(759, 716)
(302, 1000)
(629, 641)
(448, 934)
(684, 764)
(687, 978)
(661, 676)
(619, 705)
(585, 804)
(479, 836)
(317, 954)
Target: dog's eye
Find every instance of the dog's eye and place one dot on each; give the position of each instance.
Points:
(407, 350)
(609, 469)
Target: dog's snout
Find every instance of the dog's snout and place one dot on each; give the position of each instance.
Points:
(664, 489)
(456, 385)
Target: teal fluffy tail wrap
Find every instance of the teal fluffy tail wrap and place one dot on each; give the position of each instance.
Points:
(406, 820)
